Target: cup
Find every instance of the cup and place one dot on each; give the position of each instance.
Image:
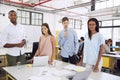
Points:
(18, 64)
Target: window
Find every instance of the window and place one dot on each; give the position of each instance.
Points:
(100, 4)
(100, 23)
(74, 23)
(116, 22)
(71, 23)
(106, 32)
(107, 23)
(111, 29)
(30, 18)
(78, 24)
(36, 19)
(116, 35)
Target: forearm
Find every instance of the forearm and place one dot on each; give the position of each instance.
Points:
(81, 60)
(99, 59)
(53, 55)
(82, 57)
(100, 55)
(7, 45)
(36, 53)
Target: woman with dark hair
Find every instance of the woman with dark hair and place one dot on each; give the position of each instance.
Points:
(46, 43)
(93, 46)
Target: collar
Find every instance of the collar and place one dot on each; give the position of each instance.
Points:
(13, 24)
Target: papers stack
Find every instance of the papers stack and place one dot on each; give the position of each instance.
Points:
(74, 68)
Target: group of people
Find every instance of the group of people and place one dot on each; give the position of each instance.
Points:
(13, 38)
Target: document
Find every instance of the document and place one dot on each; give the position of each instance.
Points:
(40, 61)
(74, 68)
(44, 77)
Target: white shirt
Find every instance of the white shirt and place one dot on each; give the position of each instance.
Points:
(13, 34)
(106, 48)
(92, 48)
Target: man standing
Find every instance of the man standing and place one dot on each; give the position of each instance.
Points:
(68, 42)
(13, 38)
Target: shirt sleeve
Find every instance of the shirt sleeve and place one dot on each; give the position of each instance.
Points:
(24, 33)
(101, 40)
(76, 45)
(61, 40)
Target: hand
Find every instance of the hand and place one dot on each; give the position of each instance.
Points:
(50, 62)
(23, 42)
(95, 69)
(79, 64)
(31, 61)
(65, 34)
(20, 45)
(36, 54)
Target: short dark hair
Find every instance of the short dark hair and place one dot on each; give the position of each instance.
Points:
(82, 38)
(47, 26)
(110, 40)
(11, 11)
(65, 19)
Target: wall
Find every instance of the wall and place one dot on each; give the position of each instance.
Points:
(34, 32)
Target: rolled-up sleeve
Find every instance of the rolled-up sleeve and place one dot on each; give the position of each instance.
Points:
(76, 45)
(101, 40)
(61, 40)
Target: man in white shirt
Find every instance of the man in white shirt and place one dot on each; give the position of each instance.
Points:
(13, 38)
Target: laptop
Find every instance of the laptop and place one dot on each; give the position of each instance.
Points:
(80, 75)
(40, 61)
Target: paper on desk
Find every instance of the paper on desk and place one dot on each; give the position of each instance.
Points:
(54, 71)
(74, 67)
(40, 61)
(34, 78)
(60, 72)
(90, 79)
(44, 77)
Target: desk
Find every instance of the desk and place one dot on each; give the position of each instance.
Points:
(3, 52)
(25, 72)
(3, 57)
(109, 60)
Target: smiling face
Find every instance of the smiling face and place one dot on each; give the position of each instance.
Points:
(92, 26)
(44, 30)
(13, 17)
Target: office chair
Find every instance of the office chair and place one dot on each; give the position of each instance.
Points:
(34, 49)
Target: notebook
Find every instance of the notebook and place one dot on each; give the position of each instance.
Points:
(82, 75)
(40, 61)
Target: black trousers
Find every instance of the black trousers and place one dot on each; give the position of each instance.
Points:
(70, 60)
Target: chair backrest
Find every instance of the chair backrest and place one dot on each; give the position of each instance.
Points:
(80, 49)
(35, 47)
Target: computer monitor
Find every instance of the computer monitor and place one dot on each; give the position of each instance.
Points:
(117, 43)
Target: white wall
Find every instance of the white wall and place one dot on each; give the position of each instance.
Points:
(34, 32)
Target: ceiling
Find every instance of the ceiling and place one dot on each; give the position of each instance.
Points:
(64, 7)
(69, 7)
